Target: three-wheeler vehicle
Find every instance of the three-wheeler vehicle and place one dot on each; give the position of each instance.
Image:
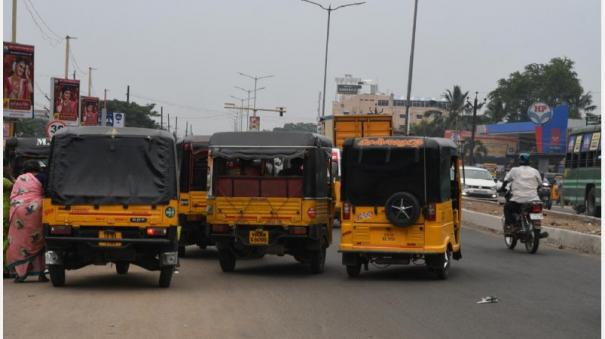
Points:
(111, 196)
(18, 150)
(192, 153)
(270, 193)
(401, 203)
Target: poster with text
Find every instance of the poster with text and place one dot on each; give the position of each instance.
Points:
(65, 98)
(18, 81)
(89, 111)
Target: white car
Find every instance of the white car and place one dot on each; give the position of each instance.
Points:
(479, 182)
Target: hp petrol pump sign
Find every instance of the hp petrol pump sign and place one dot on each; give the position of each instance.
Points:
(539, 113)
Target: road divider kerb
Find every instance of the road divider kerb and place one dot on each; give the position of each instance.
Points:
(560, 238)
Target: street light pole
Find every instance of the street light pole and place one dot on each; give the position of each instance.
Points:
(67, 38)
(14, 32)
(407, 104)
(248, 106)
(90, 69)
(256, 79)
(329, 10)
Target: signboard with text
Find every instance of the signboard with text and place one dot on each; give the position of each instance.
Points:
(347, 89)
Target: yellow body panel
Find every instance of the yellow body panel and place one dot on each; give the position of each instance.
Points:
(342, 127)
(109, 215)
(368, 230)
(268, 211)
(193, 203)
(336, 195)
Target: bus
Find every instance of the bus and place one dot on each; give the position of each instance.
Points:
(582, 176)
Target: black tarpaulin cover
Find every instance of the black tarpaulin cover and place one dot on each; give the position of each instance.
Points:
(265, 145)
(29, 147)
(103, 166)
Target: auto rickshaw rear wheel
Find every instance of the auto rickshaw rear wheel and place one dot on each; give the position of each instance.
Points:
(122, 267)
(318, 259)
(57, 275)
(440, 264)
(354, 270)
(226, 259)
(166, 276)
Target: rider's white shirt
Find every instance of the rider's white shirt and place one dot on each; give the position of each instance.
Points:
(525, 181)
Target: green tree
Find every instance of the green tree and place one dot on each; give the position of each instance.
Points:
(136, 115)
(479, 153)
(553, 83)
(31, 128)
(298, 126)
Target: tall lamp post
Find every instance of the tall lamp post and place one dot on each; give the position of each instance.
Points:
(256, 79)
(329, 10)
(248, 105)
(407, 103)
(476, 105)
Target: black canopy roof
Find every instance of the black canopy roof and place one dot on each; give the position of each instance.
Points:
(249, 145)
(122, 132)
(197, 140)
(401, 142)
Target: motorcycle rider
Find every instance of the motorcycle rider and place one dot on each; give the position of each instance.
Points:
(525, 181)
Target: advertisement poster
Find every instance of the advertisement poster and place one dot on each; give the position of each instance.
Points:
(254, 124)
(18, 81)
(118, 119)
(586, 142)
(65, 97)
(89, 111)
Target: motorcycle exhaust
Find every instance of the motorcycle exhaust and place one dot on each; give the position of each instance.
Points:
(543, 235)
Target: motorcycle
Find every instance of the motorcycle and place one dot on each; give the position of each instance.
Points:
(544, 194)
(528, 225)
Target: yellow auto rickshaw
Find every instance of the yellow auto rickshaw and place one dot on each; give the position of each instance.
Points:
(270, 193)
(111, 196)
(193, 160)
(401, 203)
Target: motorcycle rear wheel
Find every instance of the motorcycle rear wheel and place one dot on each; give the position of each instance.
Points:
(532, 242)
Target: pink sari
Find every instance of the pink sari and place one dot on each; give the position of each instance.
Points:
(25, 254)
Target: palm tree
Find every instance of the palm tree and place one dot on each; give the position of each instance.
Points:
(479, 152)
(456, 106)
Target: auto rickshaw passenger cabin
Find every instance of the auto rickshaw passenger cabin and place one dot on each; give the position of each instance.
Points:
(270, 192)
(19, 150)
(111, 196)
(193, 160)
(401, 202)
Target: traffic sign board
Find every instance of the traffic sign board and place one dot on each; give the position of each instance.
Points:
(53, 127)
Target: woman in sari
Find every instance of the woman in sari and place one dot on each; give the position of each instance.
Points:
(25, 254)
(7, 186)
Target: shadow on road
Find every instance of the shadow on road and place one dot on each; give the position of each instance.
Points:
(134, 281)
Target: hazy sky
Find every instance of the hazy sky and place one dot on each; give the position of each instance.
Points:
(185, 55)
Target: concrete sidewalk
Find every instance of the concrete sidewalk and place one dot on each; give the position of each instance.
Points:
(561, 238)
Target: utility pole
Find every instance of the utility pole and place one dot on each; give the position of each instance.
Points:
(329, 10)
(74, 74)
(256, 79)
(190, 129)
(176, 126)
(127, 94)
(90, 69)
(168, 122)
(14, 32)
(407, 104)
(104, 110)
(248, 107)
(67, 38)
(161, 117)
(186, 127)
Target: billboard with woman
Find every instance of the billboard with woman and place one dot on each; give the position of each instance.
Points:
(18, 80)
(89, 111)
(66, 95)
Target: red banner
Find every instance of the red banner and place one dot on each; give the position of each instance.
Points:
(18, 100)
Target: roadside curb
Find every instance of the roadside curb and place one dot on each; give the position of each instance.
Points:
(560, 238)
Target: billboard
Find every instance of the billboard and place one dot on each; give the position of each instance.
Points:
(347, 89)
(89, 111)
(65, 97)
(118, 119)
(18, 81)
(254, 124)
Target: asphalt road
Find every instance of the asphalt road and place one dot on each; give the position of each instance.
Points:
(553, 294)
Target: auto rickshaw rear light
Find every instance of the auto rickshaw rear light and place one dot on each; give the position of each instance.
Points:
(431, 212)
(346, 210)
(311, 213)
(60, 230)
(536, 208)
(220, 228)
(156, 231)
(297, 230)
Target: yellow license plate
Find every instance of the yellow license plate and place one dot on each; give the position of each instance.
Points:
(258, 237)
(110, 235)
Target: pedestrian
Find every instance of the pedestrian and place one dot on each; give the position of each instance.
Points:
(25, 253)
(7, 186)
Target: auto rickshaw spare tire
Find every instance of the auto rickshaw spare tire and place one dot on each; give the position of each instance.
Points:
(57, 275)
(226, 259)
(402, 209)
